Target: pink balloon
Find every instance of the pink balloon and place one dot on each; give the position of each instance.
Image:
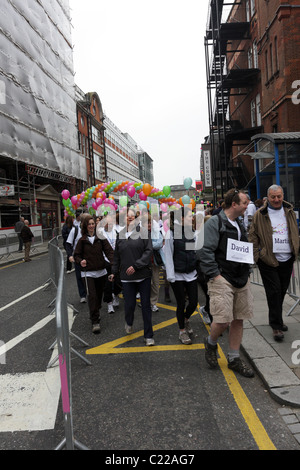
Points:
(164, 207)
(142, 196)
(65, 194)
(74, 200)
(131, 191)
(166, 226)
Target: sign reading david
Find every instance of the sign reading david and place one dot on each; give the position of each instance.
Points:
(240, 252)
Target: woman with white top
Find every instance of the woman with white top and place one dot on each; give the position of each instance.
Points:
(181, 263)
(89, 254)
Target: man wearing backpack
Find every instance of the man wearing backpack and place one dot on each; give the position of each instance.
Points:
(227, 271)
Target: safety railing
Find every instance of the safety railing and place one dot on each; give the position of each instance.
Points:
(294, 286)
(9, 243)
(63, 345)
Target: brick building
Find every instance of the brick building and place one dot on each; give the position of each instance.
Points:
(253, 65)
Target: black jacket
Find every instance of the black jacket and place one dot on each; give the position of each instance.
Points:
(93, 253)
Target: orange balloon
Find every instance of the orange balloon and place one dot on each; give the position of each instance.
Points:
(180, 202)
(147, 188)
(192, 202)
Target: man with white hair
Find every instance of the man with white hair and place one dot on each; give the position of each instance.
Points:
(275, 236)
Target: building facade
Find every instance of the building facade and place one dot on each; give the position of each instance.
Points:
(252, 71)
(38, 145)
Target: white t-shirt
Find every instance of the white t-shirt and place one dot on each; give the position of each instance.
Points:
(281, 245)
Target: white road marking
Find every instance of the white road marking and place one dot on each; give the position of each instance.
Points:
(29, 402)
(22, 298)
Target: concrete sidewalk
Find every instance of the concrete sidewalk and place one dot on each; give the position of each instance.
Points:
(273, 361)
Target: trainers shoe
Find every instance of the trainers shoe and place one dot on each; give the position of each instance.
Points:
(96, 328)
(110, 308)
(188, 327)
(116, 301)
(83, 300)
(184, 337)
(149, 341)
(237, 365)
(211, 354)
(128, 329)
(205, 316)
(154, 308)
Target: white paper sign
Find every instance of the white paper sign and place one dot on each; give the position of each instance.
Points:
(281, 243)
(240, 252)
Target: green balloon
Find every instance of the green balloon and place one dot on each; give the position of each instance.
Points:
(123, 201)
(166, 190)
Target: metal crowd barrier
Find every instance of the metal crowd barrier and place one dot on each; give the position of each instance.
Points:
(294, 286)
(63, 344)
(9, 243)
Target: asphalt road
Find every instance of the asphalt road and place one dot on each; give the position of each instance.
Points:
(131, 397)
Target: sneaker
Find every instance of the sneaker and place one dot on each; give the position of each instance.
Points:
(188, 327)
(205, 316)
(149, 341)
(128, 329)
(96, 328)
(211, 354)
(237, 365)
(116, 301)
(138, 295)
(110, 308)
(154, 308)
(83, 300)
(184, 337)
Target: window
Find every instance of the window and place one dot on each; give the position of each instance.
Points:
(247, 10)
(276, 54)
(271, 60)
(258, 112)
(255, 55)
(267, 65)
(252, 4)
(250, 58)
(253, 114)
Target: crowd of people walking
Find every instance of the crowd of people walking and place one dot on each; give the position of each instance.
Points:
(212, 250)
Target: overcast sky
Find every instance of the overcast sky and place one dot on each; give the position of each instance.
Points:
(146, 61)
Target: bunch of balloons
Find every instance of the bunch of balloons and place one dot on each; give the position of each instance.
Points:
(100, 196)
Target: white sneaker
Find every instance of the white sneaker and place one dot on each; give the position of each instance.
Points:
(138, 295)
(128, 329)
(205, 316)
(154, 308)
(110, 308)
(149, 341)
(83, 300)
(184, 337)
(96, 328)
(188, 327)
(116, 301)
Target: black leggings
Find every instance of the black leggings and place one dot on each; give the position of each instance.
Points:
(182, 289)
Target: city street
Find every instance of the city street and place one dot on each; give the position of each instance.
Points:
(131, 397)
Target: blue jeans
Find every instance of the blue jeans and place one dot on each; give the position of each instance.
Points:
(80, 281)
(130, 290)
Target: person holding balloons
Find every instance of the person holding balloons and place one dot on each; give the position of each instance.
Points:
(181, 263)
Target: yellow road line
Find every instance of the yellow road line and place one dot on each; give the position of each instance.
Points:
(251, 419)
(253, 422)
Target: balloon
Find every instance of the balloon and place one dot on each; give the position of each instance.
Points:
(164, 207)
(186, 199)
(142, 196)
(74, 200)
(166, 190)
(131, 191)
(65, 194)
(187, 183)
(123, 201)
(147, 189)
